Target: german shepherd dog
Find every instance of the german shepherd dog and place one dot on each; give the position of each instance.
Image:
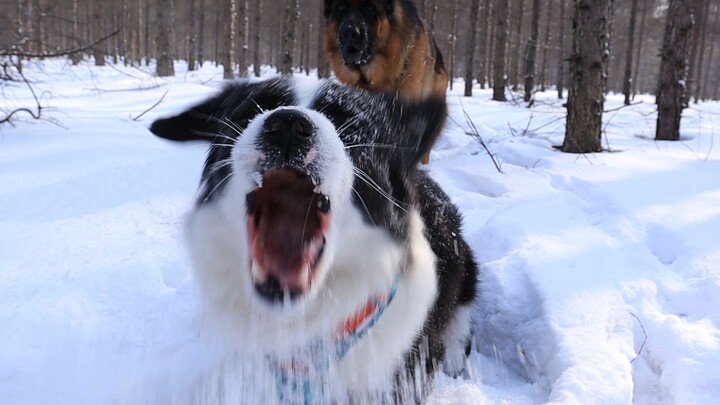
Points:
(320, 246)
(384, 46)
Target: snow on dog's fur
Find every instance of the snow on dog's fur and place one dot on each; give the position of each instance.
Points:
(310, 207)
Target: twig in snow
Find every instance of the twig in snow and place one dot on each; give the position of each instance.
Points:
(645, 338)
(476, 134)
(151, 107)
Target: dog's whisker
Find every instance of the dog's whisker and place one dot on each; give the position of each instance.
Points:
(376, 146)
(370, 182)
(367, 210)
(220, 183)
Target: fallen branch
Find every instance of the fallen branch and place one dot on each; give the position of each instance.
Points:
(151, 107)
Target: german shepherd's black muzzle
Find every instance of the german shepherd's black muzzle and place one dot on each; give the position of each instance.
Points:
(355, 42)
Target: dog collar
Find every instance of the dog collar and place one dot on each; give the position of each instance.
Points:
(302, 379)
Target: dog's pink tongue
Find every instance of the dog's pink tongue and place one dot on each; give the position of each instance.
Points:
(289, 222)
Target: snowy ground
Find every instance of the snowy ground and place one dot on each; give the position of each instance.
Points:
(601, 272)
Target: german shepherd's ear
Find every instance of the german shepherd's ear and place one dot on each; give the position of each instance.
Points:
(423, 121)
(389, 6)
(198, 123)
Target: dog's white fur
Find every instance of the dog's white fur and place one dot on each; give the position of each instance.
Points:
(359, 261)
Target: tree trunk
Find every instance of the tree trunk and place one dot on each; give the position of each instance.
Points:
(588, 69)
(701, 57)
(98, 14)
(243, 34)
(627, 81)
(323, 67)
(694, 48)
(256, 42)
(470, 50)
(561, 52)
(484, 52)
(517, 53)
(192, 35)
(201, 34)
(501, 34)
(546, 48)
(165, 38)
(531, 52)
(674, 69)
(707, 82)
(638, 53)
(288, 37)
(147, 51)
(453, 43)
(228, 50)
(77, 56)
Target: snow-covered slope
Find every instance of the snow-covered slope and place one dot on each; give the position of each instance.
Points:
(601, 272)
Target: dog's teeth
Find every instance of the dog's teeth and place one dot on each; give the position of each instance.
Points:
(258, 274)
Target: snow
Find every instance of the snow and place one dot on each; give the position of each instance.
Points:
(601, 272)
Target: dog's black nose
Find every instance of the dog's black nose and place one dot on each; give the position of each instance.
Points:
(351, 35)
(288, 129)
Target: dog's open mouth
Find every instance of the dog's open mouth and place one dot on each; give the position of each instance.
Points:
(287, 221)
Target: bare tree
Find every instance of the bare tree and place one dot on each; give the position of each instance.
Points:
(517, 53)
(452, 38)
(588, 70)
(165, 38)
(484, 53)
(627, 82)
(701, 57)
(713, 40)
(561, 52)
(257, 13)
(288, 36)
(674, 69)
(192, 35)
(499, 60)
(531, 51)
(243, 34)
(228, 50)
(698, 22)
(98, 14)
(641, 35)
(470, 55)
(546, 47)
(76, 57)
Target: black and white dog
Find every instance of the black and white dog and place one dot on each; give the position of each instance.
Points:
(318, 243)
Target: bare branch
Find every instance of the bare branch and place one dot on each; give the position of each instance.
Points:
(16, 52)
(24, 109)
(151, 107)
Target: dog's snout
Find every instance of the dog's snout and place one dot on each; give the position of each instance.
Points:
(288, 129)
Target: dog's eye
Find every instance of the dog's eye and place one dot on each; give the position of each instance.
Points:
(324, 204)
(341, 8)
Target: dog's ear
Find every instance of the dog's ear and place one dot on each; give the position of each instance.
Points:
(198, 123)
(232, 108)
(422, 121)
